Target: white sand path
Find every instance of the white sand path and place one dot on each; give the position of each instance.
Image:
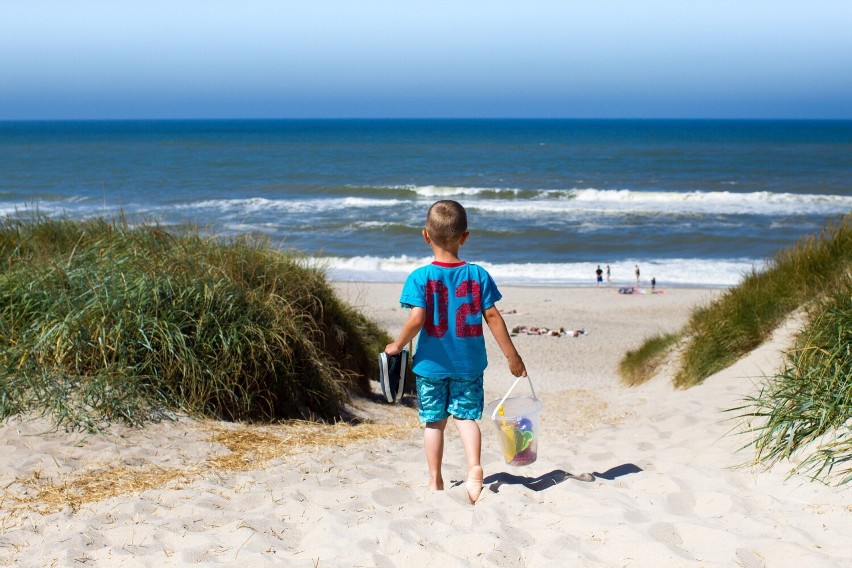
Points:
(666, 492)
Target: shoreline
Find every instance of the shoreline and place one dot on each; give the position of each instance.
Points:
(699, 273)
(554, 285)
(613, 323)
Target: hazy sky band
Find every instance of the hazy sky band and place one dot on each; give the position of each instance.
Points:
(254, 59)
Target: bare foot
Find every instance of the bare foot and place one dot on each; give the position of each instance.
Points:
(437, 485)
(474, 483)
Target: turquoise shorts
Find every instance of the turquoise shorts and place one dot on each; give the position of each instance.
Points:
(462, 398)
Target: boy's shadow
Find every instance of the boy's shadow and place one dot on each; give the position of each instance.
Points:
(555, 477)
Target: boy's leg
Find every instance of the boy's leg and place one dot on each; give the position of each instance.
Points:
(466, 402)
(432, 395)
(471, 437)
(433, 443)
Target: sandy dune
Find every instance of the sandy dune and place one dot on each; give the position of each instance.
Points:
(666, 490)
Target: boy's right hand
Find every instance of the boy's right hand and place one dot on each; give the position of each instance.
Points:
(517, 367)
(410, 329)
(392, 349)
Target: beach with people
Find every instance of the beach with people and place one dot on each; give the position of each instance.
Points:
(232, 335)
(635, 476)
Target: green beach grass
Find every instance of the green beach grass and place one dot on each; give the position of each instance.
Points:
(637, 366)
(805, 412)
(745, 316)
(102, 321)
(808, 406)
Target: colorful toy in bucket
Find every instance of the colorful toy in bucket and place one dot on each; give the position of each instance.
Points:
(516, 420)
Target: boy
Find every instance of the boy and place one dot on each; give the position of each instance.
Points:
(449, 299)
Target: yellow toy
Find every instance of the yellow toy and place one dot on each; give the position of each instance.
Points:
(507, 441)
(516, 420)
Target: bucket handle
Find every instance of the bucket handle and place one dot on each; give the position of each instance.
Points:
(508, 392)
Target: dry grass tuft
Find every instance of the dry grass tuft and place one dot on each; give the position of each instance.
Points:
(93, 485)
(248, 448)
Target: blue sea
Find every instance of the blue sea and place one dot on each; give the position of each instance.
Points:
(693, 203)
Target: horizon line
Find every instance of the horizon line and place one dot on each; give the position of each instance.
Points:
(428, 118)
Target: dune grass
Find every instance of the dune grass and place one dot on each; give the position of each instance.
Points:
(742, 318)
(806, 410)
(638, 365)
(745, 316)
(807, 407)
(103, 321)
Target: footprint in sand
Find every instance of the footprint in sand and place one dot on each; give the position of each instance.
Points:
(749, 558)
(390, 497)
(681, 503)
(667, 534)
(605, 456)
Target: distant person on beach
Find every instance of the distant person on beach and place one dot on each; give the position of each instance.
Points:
(599, 274)
(608, 280)
(653, 284)
(449, 299)
(637, 273)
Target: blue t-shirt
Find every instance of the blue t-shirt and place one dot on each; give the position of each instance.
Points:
(451, 343)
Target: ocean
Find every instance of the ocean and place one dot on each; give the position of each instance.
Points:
(693, 203)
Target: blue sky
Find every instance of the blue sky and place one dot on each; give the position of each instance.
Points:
(364, 58)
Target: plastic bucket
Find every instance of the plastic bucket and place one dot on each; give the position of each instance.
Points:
(517, 423)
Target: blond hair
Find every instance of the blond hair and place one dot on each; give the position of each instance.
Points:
(446, 222)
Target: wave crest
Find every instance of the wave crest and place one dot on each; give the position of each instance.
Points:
(668, 272)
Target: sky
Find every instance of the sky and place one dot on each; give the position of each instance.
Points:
(117, 59)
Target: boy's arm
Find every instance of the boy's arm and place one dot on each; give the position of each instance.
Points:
(501, 334)
(410, 328)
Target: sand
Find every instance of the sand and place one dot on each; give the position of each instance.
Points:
(669, 486)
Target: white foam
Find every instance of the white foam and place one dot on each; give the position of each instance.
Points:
(265, 228)
(626, 201)
(76, 207)
(566, 204)
(261, 204)
(668, 272)
(450, 191)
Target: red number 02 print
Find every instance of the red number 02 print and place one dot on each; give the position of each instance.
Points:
(436, 291)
